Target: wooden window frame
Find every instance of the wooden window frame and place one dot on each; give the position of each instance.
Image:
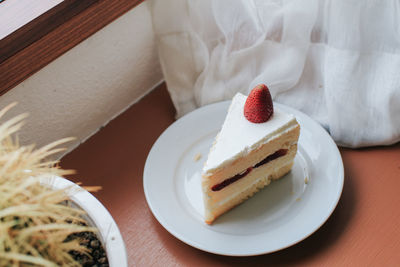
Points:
(35, 43)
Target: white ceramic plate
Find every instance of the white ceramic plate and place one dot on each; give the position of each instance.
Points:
(282, 214)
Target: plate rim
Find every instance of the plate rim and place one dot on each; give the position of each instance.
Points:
(195, 244)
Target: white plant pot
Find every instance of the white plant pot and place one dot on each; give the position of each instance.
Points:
(99, 216)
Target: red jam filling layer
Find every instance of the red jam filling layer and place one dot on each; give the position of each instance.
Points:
(226, 182)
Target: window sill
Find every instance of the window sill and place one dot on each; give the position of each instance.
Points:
(369, 202)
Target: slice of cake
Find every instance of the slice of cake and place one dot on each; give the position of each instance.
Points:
(256, 144)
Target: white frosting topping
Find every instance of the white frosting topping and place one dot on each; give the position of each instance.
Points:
(238, 136)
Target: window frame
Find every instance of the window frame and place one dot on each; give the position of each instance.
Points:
(35, 43)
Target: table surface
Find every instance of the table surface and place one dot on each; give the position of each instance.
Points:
(364, 229)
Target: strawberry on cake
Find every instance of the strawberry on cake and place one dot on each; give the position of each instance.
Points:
(256, 144)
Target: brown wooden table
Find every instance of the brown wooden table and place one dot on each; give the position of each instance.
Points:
(364, 230)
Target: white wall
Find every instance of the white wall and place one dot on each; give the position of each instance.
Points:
(90, 84)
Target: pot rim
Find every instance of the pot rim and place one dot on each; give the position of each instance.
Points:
(109, 232)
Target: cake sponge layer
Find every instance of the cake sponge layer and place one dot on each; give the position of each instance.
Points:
(218, 202)
(283, 141)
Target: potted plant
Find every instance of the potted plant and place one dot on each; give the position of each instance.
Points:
(46, 220)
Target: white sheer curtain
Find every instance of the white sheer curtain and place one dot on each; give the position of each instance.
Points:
(338, 61)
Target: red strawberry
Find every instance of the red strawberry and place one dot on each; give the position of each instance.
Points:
(258, 107)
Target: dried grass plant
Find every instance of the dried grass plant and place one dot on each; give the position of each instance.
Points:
(34, 222)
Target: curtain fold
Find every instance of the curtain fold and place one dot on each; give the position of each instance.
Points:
(337, 61)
